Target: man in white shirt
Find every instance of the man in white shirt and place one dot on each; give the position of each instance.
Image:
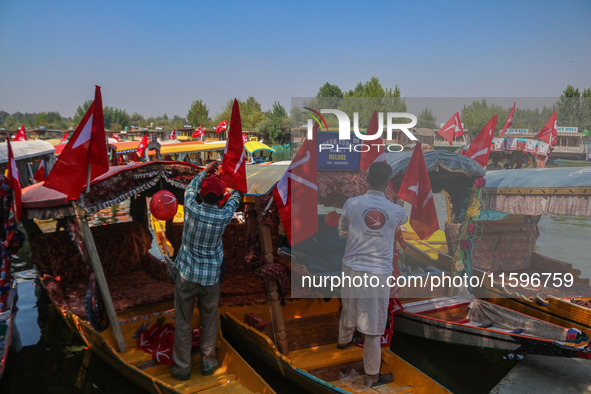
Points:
(369, 223)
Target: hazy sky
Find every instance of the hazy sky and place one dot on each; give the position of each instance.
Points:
(156, 57)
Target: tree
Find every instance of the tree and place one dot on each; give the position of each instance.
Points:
(331, 95)
(476, 115)
(137, 120)
(115, 118)
(250, 113)
(198, 113)
(369, 97)
(275, 127)
(426, 119)
(585, 110)
(81, 111)
(567, 107)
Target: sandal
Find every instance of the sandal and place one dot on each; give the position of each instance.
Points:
(382, 378)
(354, 341)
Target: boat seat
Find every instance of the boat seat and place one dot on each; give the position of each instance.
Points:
(323, 356)
(436, 304)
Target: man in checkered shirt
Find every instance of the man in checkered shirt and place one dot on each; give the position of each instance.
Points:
(198, 265)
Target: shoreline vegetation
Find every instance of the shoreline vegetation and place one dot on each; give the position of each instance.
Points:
(274, 125)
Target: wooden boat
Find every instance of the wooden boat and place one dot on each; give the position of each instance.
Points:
(138, 291)
(516, 199)
(6, 325)
(11, 241)
(469, 321)
(313, 361)
(297, 340)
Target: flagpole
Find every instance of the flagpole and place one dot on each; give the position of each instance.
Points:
(88, 179)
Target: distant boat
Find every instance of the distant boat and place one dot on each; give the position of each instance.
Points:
(465, 320)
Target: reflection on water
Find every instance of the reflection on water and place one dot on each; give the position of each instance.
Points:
(567, 238)
(51, 356)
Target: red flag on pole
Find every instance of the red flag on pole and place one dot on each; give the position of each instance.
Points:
(65, 138)
(142, 146)
(549, 133)
(452, 128)
(21, 135)
(479, 149)
(40, 175)
(509, 121)
(173, 134)
(376, 147)
(233, 165)
(416, 190)
(223, 125)
(86, 151)
(199, 132)
(13, 178)
(296, 194)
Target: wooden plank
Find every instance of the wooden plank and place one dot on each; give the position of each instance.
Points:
(324, 356)
(100, 276)
(436, 304)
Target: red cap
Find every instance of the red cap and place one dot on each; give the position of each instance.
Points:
(213, 184)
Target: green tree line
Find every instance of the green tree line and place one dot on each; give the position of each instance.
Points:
(274, 125)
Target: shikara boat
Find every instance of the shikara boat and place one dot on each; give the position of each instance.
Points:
(469, 321)
(507, 233)
(138, 292)
(6, 325)
(298, 339)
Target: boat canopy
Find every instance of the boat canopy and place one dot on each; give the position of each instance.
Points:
(26, 153)
(23, 150)
(540, 191)
(449, 171)
(262, 178)
(253, 146)
(124, 146)
(436, 161)
(123, 182)
(192, 146)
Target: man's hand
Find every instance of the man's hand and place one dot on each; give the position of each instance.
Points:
(211, 167)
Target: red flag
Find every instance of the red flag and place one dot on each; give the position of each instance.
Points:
(116, 137)
(40, 174)
(452, 128)
(86, 150)
(296, 194)
(199, 132)
(233, 166)
(416, 190)
(549, 133)
(173, 134)
(509, 121)
(376, 147)
(223, 126)
(65, 138)
(142, 146)
(21, 135)
(479, 149)
(244, 138)
(13, 178)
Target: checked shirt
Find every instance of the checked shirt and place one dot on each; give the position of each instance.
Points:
(200, 257)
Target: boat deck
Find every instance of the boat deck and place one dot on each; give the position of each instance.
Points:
(221, 381)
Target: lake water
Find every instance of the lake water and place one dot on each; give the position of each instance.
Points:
(48, 358)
